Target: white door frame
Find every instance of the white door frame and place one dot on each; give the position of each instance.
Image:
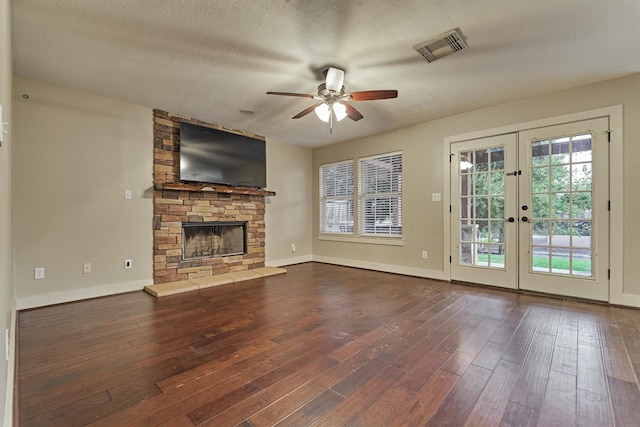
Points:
(616, 235)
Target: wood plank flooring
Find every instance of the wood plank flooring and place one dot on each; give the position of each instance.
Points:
(326, 345)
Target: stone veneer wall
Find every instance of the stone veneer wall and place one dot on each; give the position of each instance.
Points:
(172, 207)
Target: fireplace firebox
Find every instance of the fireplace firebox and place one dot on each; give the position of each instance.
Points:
(213, 239)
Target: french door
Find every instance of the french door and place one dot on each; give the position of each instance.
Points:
(530, 210)
(484, 206)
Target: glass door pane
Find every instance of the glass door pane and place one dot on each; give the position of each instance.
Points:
(561, 198)
(481, 199)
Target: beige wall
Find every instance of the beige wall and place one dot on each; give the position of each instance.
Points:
(288, 214)
(421, 218)
(6, 213)
(75, 154)
(422, 147)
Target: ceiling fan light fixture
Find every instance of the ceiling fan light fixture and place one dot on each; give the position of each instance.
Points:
(332, 99)
(334, 79)
(340, 110)
(323, 112)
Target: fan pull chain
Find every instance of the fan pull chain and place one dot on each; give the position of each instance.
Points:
(331, 121)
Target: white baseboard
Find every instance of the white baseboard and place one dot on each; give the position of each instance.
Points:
(80, 294)
(11, 369)
(289, 261)
(387, 268)
(118, 288)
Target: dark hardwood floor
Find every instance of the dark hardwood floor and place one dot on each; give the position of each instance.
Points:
(330, 346)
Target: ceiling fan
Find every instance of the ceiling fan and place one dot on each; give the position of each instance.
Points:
(333, 99)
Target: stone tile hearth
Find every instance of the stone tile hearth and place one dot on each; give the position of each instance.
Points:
(173, 288)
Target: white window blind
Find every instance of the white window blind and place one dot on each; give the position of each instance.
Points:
(380, 195)
(336, 198)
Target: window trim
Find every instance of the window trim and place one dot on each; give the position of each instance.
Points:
(375, 240)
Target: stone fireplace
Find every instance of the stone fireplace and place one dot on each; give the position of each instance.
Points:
(184, 210)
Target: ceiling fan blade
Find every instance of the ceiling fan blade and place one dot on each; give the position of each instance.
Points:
(371, 95)
(335, 79)
(302, 95)
(306, 111)
(352, 113)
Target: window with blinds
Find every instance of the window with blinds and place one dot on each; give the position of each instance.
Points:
(380, 195)
(336, 198)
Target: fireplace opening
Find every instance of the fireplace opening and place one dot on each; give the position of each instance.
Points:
(213, 239)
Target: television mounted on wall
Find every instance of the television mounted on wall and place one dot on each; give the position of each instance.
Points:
(219, 157)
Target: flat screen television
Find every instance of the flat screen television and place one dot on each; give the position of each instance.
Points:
(219, 157)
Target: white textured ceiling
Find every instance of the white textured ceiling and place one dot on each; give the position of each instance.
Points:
(210, 59)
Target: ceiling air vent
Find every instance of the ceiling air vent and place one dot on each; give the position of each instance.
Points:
(443, 45)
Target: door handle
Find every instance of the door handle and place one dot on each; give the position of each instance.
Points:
(524, 219)
(525, 207)
(510, 219)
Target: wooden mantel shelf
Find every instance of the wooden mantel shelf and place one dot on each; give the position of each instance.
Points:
(214, 188)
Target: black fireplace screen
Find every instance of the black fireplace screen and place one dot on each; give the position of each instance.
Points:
(205, 240)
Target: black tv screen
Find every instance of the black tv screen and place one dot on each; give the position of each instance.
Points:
(219, 157)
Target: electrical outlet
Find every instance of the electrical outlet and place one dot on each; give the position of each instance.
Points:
(293, 247)
(424, 254)
(128, 263)
(39, 273)
(86, 268)
(127, 194)
(435, 197)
